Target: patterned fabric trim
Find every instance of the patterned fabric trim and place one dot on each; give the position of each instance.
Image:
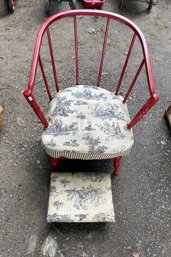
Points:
(84, 156)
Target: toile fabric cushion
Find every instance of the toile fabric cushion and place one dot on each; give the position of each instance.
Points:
(87, 122)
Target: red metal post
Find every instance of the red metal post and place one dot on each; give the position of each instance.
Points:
(134, 80)
(44, 78)
(76, 50)
(103, 52)
(125, 65)
(52, 59)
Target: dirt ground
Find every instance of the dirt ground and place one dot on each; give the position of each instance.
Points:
(141, 192)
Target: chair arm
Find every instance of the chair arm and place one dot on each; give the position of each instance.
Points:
(36, 108)
(148, 105)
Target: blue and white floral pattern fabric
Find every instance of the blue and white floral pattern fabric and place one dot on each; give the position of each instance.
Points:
(80, 197)
(87, 122)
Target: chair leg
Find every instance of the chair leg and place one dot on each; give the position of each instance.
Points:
(116, 163)
(54, 163)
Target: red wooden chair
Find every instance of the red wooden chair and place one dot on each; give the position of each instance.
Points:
(86, 121)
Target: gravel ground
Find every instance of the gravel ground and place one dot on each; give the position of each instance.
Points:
(141, 192)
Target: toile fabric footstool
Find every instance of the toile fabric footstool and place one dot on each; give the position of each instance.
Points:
(80, 197)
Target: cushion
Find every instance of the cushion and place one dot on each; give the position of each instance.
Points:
(87, 122)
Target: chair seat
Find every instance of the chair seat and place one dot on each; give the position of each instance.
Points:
(87, 122)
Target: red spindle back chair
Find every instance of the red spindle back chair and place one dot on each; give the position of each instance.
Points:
(37, 61)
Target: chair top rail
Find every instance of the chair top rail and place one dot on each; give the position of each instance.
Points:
(98, 13)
